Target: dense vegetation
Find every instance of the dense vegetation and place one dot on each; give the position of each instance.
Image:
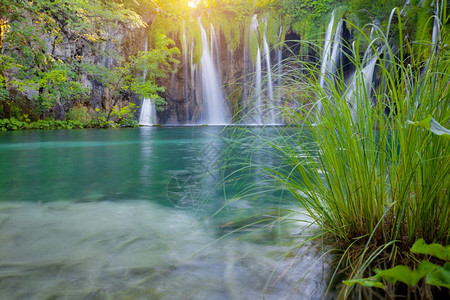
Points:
(52, 52)
(61, 55)
(375, 176)
(373, 166)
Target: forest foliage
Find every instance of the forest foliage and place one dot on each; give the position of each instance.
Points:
(51, 48)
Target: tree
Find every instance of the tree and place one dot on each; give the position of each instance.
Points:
(156, 63)
(34, 33)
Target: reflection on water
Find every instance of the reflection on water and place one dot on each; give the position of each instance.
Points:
(146, 214)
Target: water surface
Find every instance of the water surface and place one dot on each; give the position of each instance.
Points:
(149, 213)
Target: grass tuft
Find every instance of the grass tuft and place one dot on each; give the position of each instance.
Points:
(373, 180)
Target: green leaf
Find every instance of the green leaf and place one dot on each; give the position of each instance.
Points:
(406, 275)
(440, 276)
(436, 250)
(432, 125)
(367, 282)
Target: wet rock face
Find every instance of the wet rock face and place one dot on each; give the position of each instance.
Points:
(183, 94)
(176, 96)
(119, 41)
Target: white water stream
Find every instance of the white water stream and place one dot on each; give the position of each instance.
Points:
(270, 105)
(148, 115)
(215, 112)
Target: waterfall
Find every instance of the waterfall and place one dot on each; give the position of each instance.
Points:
(212, 94)
(148, 109)
(261, 108)
(326, 51)
(269, 75)
(331, 57)
(256, 113)
(435, 40)
(148, 113)
(354, 95)
(335, 58)
(193, 87)
(258, 88)
(325, 58)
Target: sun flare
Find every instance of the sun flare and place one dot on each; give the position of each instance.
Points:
(193, 3)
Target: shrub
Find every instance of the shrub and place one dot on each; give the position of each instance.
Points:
(373, 167)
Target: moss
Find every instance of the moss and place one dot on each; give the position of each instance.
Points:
(234, 98)
(273, 27)
(231, 29)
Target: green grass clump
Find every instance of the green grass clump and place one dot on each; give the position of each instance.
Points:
(371, 168)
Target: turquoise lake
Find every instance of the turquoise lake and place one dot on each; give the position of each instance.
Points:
(150, 213)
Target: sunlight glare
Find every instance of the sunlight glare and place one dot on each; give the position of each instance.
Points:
(193, 3)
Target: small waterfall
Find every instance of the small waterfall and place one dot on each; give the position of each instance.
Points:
(212, 94)
(258, 88)
(269, 75)
(148, 110)
(148, 113)
(360, 88)
(331, 57)
(335, 58)
(193, 87)
(326, 51)
(262, 106)
(435, 39)
(325, 58)
(257, 91)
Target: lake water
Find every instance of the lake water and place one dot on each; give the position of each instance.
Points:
(150, 213)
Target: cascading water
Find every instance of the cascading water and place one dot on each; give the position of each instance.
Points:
(215, 111)
(435, 40)
(255, 113)
(193, 86)
(264, 108)
(335, 58)
(148, 110)
(354, 95)
(269, 74)
(360, 86)
(325, 58)
(258, 88)
(326, 51)
(331, 57)
(148, 113)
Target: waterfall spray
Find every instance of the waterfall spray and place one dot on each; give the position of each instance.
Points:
(212, 94)
(325, 57)
(269, 75)
(148, 109)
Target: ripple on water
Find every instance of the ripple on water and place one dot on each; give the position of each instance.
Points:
(141, 250)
